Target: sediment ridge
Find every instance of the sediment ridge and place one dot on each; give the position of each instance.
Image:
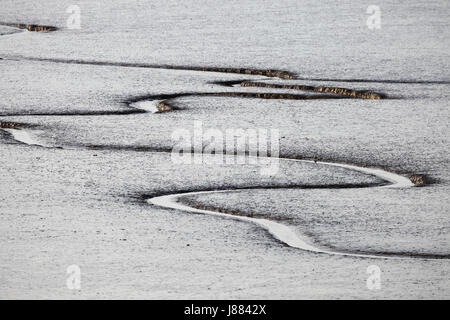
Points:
(335, 90)
(29, 27)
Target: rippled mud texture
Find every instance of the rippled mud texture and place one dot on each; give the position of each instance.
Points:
(149, 251)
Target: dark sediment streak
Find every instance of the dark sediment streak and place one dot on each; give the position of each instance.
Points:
(261, 186)
(400, 81)
(12, 125)
(337, 90)
(248, 71)
(270, 73)
(29, 27)
(75, 113)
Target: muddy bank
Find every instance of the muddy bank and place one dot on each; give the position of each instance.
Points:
(30, 27)
(335, 90)
(12, 125)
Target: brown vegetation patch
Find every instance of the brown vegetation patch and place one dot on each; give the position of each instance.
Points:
(418, 179)
(270, 95)
(30, 27)
(11, 125)
(260, 72)
(335, 90)
(164, 106)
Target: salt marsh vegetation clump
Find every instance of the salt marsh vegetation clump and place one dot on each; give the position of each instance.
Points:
(30, 27)
(418, 179)
(335, 90)
(11, 125)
